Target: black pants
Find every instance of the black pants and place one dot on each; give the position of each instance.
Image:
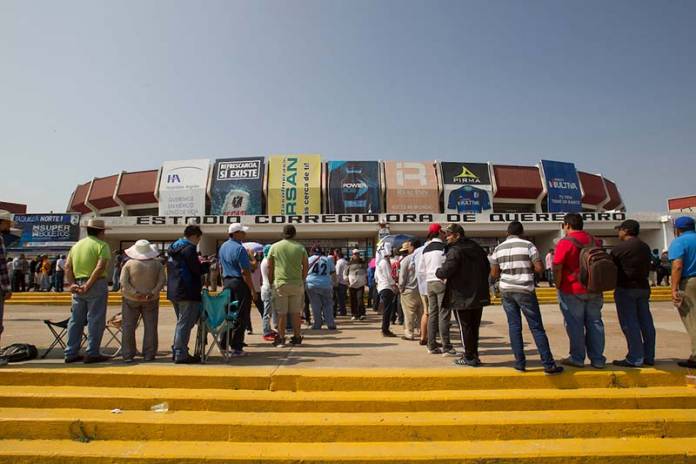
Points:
(259, 306)
(242, 294)
(357, 305)
(469, 321)
(389, 301)
(18, 284)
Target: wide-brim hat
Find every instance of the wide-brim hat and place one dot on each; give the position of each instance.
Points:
(142, 250)
(6, 216)
(97, 224)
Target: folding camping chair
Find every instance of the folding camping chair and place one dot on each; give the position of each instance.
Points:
(113, 327)
(59, 331)
(220, 315)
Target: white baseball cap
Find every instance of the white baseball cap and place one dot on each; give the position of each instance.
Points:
(236, 227)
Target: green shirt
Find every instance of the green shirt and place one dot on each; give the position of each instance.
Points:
(85, 254)
(288, 256)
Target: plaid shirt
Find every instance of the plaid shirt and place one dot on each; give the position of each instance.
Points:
(4, 274)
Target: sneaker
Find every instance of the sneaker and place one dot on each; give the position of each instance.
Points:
(279, 342)
(623, 363)
(239, 354)
(689, 364)
(553, 370)
(129, 361)
(449, 352)
(362, 318)
(435, 351)
(96, 359)
(188, 360)
(475, 362)
(570, 362)
(296, 340)
(74, 359)
(598, 366)
(269, 337)
(520, 367)
(388, 334)
(353, 318)
(649, 363)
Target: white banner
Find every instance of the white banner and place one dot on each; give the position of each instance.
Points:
(182, 187)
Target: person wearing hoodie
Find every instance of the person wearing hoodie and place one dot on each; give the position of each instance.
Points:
(356, 276)
(184, 284)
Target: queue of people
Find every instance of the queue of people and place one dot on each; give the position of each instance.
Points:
(447, 275)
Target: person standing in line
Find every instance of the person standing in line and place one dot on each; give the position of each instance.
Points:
(320, 279)
(342, 283)
(514, 262)
(213, 273)
(184, 285)
(236, 272)
(398, 317)
(9, 262)
(118, 264)
(682, 253)
(387, 288)
(287, 271)
(21, 268)
(466, 270)
(408, 288)
(654, 266)
(632, 257)
(355, 274)
(423, 291)
(45, 274)
(549, 267)
(371, 287)
(60, 274)
(255, 261)
(33, 280)
(438, 317)
(582, 311)
(665, 270)
(85, 272)
(5, 284)
(142, 278)
(269, 314)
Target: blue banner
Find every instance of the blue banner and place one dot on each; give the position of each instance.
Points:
(237, 187)
(353, 187)
(54, 231)
(563, 187)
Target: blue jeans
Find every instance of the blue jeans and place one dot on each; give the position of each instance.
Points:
(187, 314)
(268, 313)
(88, 309)
(341, 290)
(516, 304)
(116, 280)
(321, 300)
(633, 309)
(582, 316)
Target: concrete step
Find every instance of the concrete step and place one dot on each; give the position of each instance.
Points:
(56, 424)
(643, 450)
(297, 379)
(224, 400)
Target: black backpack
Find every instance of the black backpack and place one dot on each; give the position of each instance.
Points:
(18, 352)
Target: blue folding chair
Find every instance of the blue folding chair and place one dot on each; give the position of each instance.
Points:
(220, 315)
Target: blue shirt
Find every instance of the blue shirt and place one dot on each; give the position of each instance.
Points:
(468, 199)
(233, 257)
(320, 270)
(684, 248)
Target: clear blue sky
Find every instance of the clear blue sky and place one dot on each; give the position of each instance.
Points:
(90, 88)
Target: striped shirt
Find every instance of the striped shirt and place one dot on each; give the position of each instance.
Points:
(516, 258)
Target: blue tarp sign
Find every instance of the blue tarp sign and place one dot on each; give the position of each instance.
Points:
(53, 231)
(563, 186)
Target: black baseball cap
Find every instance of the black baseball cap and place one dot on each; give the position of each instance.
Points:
(629, 225)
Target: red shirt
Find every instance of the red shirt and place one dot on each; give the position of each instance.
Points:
(568, 255)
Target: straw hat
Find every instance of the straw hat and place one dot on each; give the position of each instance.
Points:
(6, 216)
(142, 250)
(97, 224)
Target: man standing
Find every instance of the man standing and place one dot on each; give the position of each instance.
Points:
(408, 288)
(423, 291)
(287, 271)
(142, 278)
(386, 288)
(184, 284)
(342, 283)
(118, 264)
(236, 272)
(682, 253)
(438, 316)
(515, 262)
(60, 273)
(632, 296)
(319, 289)
(85, 271)
(21, 268)
(549, 267)
(466, 269)
(582, 311)
(5, 284)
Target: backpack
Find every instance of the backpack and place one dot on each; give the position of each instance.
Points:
(597, 272)
(18, 352)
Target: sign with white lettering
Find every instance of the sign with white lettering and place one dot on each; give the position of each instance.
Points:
(46, 231)
(563, 187)
(237, 187)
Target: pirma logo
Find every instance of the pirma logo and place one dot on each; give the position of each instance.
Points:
(466, 177)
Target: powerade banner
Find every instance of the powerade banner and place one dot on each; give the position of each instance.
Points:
(467, 187)
(182, 187)
(237, 187)
(353, 187)
(46, 231)
(411, 187)
(563, 186)
(294, 184)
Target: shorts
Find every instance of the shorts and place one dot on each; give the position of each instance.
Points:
(426, 306)
(288, 299)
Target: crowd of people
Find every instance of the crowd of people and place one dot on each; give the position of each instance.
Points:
(418, 286)
(41, 273)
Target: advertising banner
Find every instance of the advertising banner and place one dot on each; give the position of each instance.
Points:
(294, 184)
(52, 231)
(237, 187)
(353, 187)
(467, 187)
(411, 187)
(182, 187)
(563, 186)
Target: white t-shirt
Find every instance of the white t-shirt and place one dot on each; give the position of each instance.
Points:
(341, 267)
(265, 284)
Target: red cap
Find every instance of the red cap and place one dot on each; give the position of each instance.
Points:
(434, 229)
